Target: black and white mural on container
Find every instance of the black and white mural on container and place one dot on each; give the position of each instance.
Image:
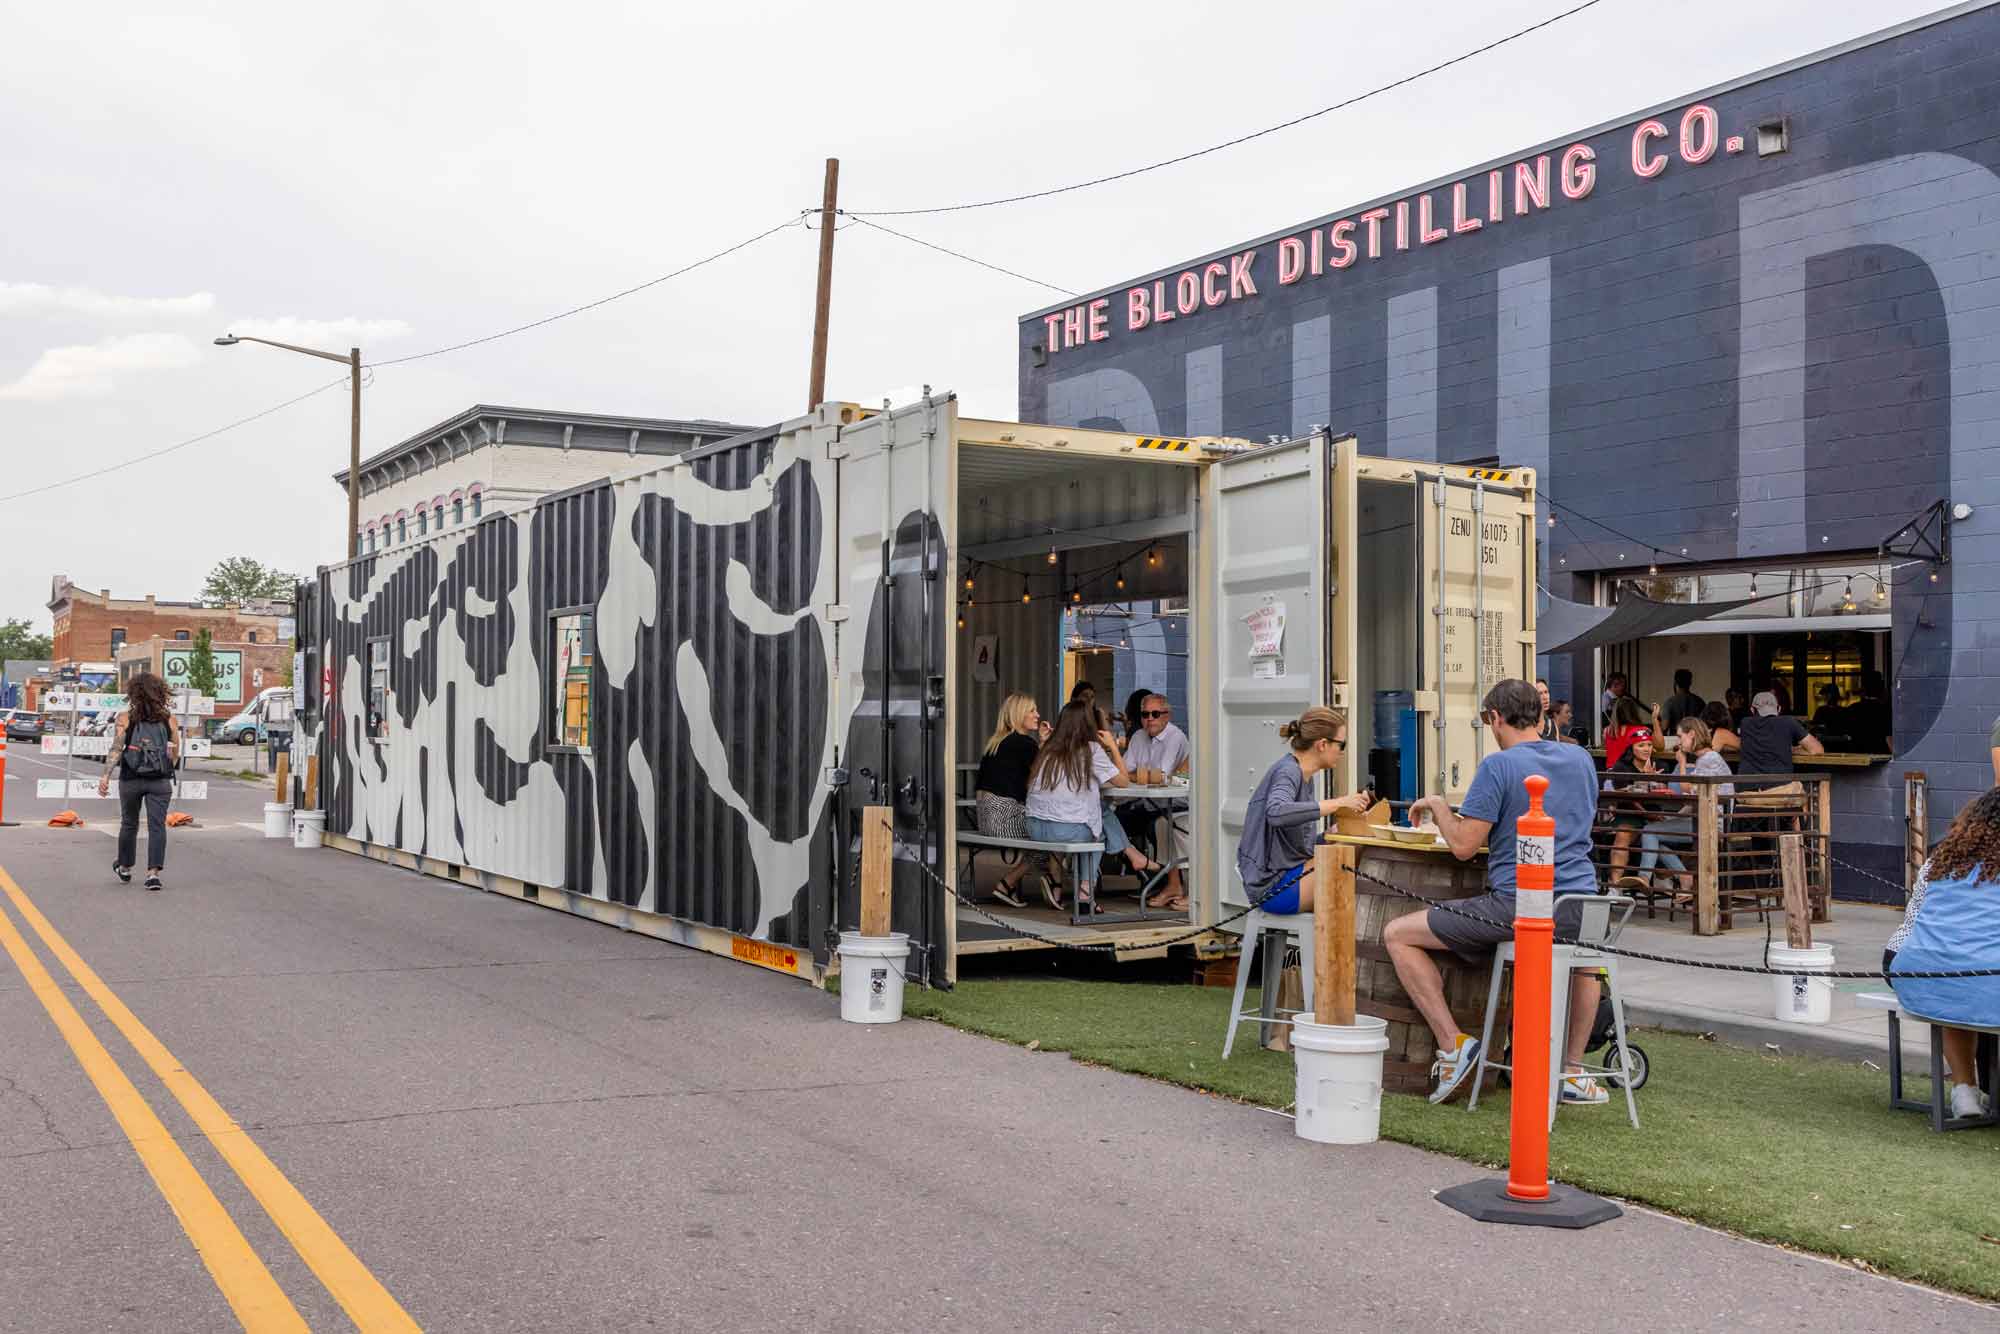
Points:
(699, 788)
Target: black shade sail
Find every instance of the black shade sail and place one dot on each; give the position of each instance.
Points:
(1563, 626)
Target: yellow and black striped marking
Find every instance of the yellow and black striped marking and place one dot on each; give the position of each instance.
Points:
(1174, 446)
(1489, 474)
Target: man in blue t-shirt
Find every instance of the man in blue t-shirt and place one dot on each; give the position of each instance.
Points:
(1496, 799)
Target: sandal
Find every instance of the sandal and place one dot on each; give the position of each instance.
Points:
(1008, 894)
(1052, 891)
(1179, 903)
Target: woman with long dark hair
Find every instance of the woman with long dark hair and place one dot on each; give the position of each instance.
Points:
(145, 749)
(1064, 805)
(1952, 924)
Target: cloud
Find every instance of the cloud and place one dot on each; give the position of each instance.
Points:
(41, 299)
(63, 372)
(327, 335)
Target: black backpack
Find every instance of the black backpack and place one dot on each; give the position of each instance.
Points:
(146, 751)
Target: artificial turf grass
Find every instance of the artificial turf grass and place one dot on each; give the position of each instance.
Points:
(1796, 1150)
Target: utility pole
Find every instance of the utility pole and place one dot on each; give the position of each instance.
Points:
(354, 455)
(823, 299)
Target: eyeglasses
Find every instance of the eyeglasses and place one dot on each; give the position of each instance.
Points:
(1155, 713)
(1340, 741)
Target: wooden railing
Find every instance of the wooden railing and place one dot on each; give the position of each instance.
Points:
(1727, 847)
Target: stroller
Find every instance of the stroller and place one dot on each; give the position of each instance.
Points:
(1603, 1039)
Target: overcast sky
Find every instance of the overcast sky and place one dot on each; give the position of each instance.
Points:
(410, 176)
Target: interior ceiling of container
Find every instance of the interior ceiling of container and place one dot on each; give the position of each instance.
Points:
(1020, 494)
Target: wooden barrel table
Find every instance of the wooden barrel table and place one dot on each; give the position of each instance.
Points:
(1432, 871)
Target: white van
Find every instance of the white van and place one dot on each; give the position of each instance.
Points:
(249, 724)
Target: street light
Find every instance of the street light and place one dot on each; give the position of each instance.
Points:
(353, 363)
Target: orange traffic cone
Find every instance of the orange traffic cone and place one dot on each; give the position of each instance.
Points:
(66, 820)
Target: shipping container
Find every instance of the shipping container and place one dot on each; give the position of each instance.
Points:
(662, 701)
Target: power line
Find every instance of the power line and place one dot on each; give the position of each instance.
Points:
(160, 453)
(946, 250)
(399, 361)
(1239, 139)
(794, 221)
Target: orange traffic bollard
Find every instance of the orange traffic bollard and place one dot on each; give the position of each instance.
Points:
(1527, 1196)
(3, 777)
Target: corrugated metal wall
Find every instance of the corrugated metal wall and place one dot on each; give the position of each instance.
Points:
(701, 794)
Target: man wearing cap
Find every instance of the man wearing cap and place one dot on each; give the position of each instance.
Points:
(1769, 737)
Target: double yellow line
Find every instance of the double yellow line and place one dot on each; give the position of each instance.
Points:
(260, 1304)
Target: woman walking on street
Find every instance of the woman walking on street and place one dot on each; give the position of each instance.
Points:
(145, 749)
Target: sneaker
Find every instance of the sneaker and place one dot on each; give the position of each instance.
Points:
(153, 882)
(1969, 1101)
(124, 873)
(1583, 1091)
(1008, 896)
(1452, 1068)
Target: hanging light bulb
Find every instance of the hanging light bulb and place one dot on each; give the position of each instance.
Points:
(1934, 577)
(1881, 589)
(1025, 599)
(1076, 595)
(968, 581)
(1653, 567)
(1121, 643)
(1052, 555)
(961, 620)
(1753, 585)
(1847, 598)
(1121, 578)
(1552, 518)
(1153, 557)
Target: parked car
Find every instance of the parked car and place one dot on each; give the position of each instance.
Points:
(249, 725)
(24, 725)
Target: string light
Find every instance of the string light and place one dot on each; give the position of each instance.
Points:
(1121, 578)
(1552, 518)
(1076, 595)
(1153, 557)
(1934, 574)
(961, 620)
(1052, 555)
(968, 581)
(1847, 597)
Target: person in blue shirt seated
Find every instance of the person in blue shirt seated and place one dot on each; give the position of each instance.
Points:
(1496, 799)
(1952, 924)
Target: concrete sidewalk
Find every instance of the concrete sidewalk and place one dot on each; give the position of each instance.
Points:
(1742, 1007)
(522, 1120)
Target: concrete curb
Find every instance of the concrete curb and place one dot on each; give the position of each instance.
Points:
(1792, 1039)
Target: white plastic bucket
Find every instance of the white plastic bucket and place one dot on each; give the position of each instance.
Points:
(277, 819)
(1338, 1096)
(1799, 997)
(308, 829)
(871, 977)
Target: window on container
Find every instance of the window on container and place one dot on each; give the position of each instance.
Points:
(458, 510)
(378, 689)
(574, 649)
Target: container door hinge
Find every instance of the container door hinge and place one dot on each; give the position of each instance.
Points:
(836, 612)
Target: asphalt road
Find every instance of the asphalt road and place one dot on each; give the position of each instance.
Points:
(511, 1119)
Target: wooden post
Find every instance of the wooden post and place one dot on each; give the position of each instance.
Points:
(1792, 879)
(283, 772)
(1707, 854)
(1823, 851)
(1916, 827)
(878, 868)
(1333, 934)
(312, 781)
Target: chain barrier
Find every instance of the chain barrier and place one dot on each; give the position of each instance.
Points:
(1115, 948)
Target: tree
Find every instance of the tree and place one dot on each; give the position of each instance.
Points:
(18, 640)
(201, 665)
(245, 578)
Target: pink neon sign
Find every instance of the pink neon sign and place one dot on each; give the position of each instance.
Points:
(1432, 217)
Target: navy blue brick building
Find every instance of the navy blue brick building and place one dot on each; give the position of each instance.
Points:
(1752, 332)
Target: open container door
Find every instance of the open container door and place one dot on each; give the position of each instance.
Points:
(1476, 626)
(895, 522)
(1268, 622)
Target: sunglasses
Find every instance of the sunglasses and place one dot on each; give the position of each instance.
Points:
(1155, 713)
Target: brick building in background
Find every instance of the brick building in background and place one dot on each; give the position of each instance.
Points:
(490, 460)
(94, 627)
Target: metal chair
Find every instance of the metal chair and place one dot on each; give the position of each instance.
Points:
(1596, 927)
(1254, 928)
